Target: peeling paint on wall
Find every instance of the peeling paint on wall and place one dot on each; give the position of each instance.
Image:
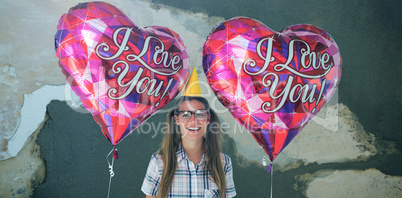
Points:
(352, 183)
(335, 149)
(21, 175)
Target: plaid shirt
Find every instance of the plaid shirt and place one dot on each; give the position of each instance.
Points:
(189, 180)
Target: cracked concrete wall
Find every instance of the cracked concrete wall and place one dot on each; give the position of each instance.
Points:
(357, 134)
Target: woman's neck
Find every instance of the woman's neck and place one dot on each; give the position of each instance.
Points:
(194, 150)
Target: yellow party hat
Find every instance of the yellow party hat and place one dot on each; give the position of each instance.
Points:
(193, 86)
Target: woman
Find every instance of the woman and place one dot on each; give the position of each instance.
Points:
(189, 162)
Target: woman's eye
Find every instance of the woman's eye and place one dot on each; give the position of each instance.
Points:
(200, 114)
(185, 115)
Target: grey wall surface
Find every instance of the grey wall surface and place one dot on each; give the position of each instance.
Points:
(368, 35)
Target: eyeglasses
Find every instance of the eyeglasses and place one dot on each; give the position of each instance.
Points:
(200, 114)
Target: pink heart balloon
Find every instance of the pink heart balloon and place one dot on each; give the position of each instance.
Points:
(122, 73)
(273, 83)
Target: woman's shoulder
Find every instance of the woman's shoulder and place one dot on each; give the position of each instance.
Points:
(225, 159)
(157, 158)
(156, 161)
(226, 163)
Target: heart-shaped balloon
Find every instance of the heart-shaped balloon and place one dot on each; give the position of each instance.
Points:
(273, 83)
(122, 73)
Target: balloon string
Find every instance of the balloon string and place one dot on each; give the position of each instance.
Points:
(111, 172)
(272, 175)
(271, 169)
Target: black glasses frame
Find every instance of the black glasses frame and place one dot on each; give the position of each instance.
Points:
(192, 112)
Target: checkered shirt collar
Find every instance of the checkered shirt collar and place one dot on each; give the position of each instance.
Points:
(181, 154)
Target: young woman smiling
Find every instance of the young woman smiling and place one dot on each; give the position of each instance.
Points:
(189, 162)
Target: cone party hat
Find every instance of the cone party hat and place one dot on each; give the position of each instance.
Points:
(193, 86)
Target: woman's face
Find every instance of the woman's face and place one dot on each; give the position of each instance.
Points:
(192, 119)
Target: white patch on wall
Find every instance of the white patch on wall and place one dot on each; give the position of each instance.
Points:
(33, 113)
(352, 183)
(336, 136)
(316, 143)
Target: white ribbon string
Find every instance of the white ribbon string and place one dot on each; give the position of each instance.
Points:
(110, 170)
(272, 175)
(270, 169)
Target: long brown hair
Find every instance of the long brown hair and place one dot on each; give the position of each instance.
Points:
(171, 142)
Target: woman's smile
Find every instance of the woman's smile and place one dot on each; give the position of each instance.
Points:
(193, 129)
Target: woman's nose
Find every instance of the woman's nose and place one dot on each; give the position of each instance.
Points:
(192, 118)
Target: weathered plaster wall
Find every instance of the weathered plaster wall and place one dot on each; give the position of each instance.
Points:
(21, 175)
(352, 146)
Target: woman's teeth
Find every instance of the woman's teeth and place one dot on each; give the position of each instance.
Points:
(194, 128)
